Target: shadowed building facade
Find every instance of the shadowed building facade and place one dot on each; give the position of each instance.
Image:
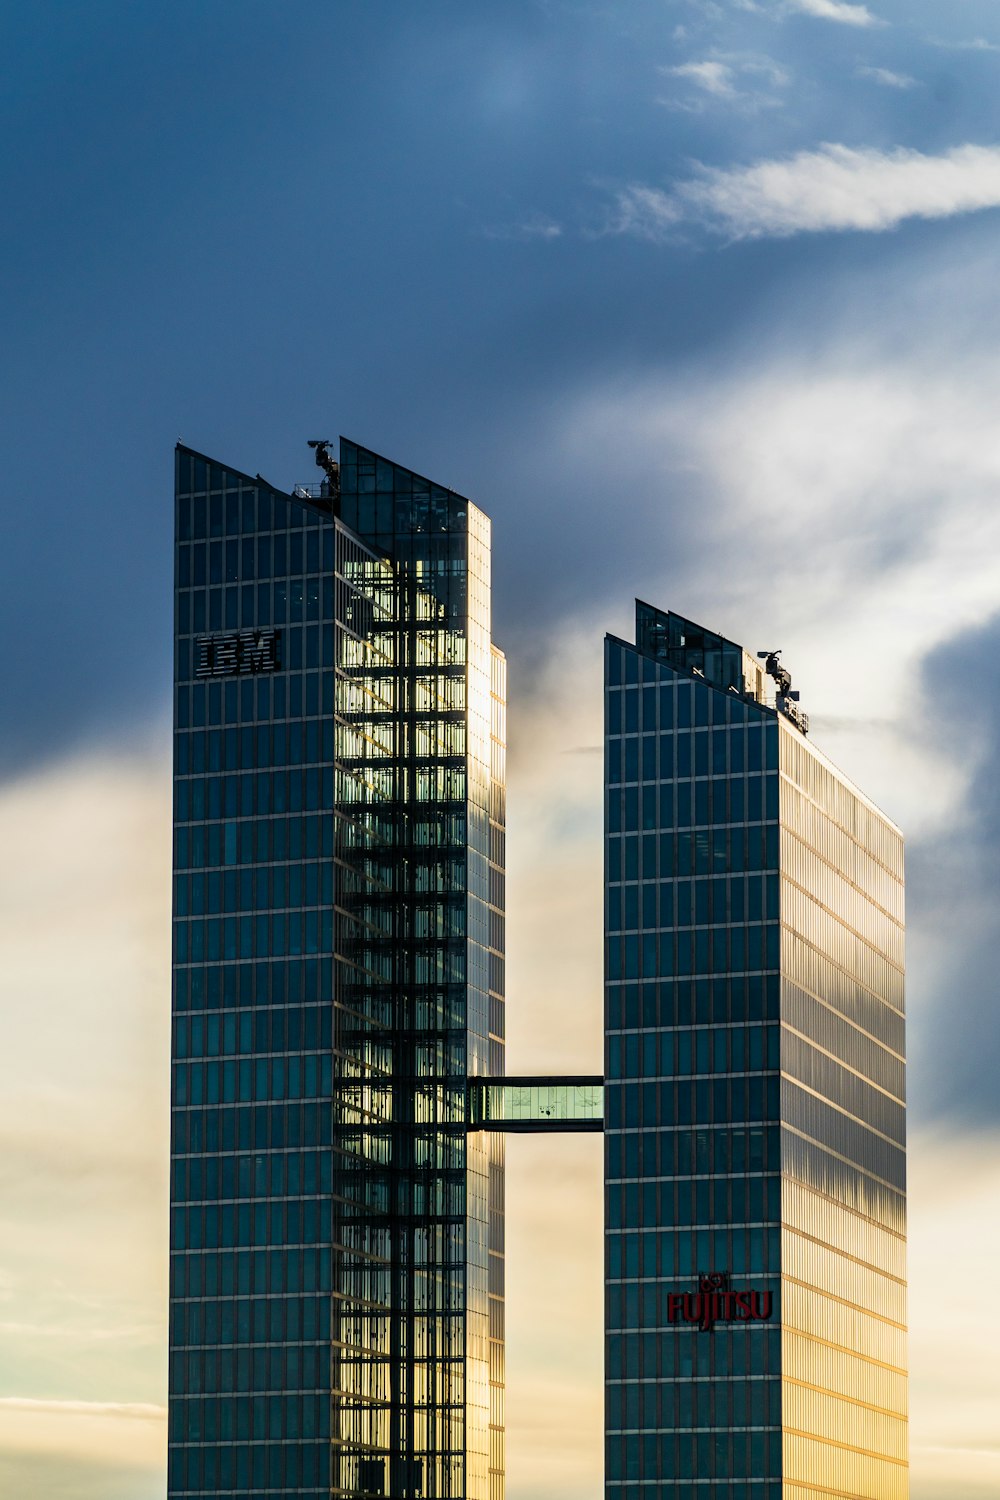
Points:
(755, 1126)
(336, 1233)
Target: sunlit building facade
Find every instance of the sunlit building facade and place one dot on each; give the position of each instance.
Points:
(336, 1231)
(755, 1115)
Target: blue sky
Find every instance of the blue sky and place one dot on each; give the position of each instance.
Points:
(698, 300)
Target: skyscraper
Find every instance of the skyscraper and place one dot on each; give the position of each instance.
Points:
(755, 1172)
(336, 1234)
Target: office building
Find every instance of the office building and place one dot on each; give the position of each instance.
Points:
(337, 1236)
(754, 1130)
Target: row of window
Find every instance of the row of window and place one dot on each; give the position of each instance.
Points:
(678, 1053)
(693, 1002)
(251, 1127)
(266, 1174)
(274, 1418)
(241, 508)
(689, 1455)
(697, 702)
(697, 950)
(710, 1200)
(679, 1153)
(296, 742)
(256, 555)
(286, 694)
(701, 1489)
(682, 1254)
(810, 1164)
(720, 797)
(250, 794)
(685, 1403)
(708, 851)
(245, 1273)
(254, 841)
(697, 1101)
(264, 984)
(739, 738)
(264, 888)
(265, 935)
(293, 1028)
(828, 1078)
(293, 1469)
(848, 1138)
(261, 1320)
(650, 1204)
(715, 901)
(283, 1368)
(217, 1226)
(822, 1024)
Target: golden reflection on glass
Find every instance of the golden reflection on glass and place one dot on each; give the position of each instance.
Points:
(843, 1253)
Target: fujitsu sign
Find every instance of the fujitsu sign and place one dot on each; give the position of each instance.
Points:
(716, 1302)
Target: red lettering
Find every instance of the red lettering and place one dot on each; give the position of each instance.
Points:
(692, 1308)
(674, 1302)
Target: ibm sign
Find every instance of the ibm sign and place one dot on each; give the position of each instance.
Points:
(235, 655)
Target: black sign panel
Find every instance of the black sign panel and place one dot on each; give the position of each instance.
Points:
(248, 651)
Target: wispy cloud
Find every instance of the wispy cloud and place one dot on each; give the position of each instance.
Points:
(833, 188)
(534, 227)
(887, 78)
(835, 10)
(745, 81)
(975, 44)
(143, 1411)
(841, 11)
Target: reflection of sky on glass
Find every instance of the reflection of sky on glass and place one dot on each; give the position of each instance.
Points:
(698, 302)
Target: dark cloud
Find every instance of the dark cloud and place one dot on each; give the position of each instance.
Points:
(953, 885)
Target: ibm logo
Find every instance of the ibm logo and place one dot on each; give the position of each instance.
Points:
(230, 655)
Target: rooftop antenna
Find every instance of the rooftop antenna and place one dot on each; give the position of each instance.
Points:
(330, 466)
(787, 701)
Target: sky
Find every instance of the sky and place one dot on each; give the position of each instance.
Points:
(698, 300)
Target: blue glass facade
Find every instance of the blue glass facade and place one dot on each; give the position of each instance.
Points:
(754, 1093)
(336, 1238)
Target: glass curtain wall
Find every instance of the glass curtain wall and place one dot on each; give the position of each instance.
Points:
(755, 1093)
(251, 1258)
(691, 1133)
(337, 1240)
(442, 928)
(844, 1362)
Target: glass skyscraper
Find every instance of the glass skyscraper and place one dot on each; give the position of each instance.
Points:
(755, 1173)
(336, 1232)
(338, 1093)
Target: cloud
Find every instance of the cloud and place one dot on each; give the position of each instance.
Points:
(955, 1376)
(142, 1411)
(977, 44)
(841, 11)
(954, 876)
(535, 227)
(834, 10)
(742, 80)
(84, 1025)
(833, 188)
(887, 78)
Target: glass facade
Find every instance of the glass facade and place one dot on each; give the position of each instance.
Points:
(755, 1210)
(337, 1236)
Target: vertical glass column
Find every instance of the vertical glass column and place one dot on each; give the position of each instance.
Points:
(447, 975)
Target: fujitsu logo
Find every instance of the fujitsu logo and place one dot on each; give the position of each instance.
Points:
(233, 655)
(716, 1302)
